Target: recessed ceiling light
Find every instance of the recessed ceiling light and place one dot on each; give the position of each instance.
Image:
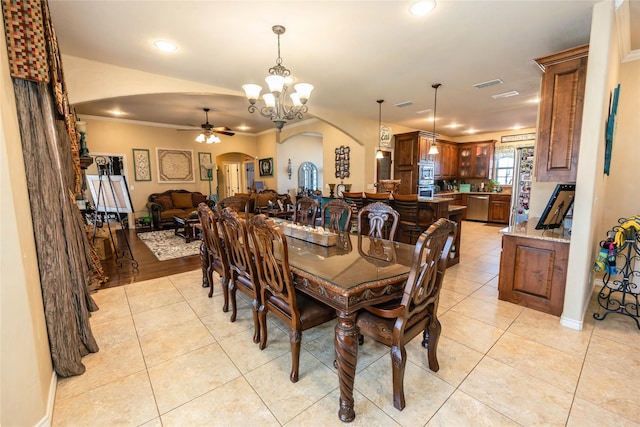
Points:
(243, 128)
(165, 46)
(454, 126)
(535, 100)
(117, 112)
(470, 131)
(517, 127)
(422, 7)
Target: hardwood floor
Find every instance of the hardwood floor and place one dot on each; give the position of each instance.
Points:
(148, 265)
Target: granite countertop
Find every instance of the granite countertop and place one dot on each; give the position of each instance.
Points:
(527, 229)
(456, 208)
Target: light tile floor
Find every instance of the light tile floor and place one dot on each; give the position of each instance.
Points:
(170, 357)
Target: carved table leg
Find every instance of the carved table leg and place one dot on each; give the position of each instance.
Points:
(346, 343)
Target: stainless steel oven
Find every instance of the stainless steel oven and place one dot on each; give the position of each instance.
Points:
(426, 180)
(426, 192)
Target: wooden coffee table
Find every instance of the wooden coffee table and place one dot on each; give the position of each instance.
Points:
(184, 227)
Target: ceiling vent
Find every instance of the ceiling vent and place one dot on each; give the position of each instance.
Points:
(505, 94)
(487, 84)
(404, 104)
(428, 110)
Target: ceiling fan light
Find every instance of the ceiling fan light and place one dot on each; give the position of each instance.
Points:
(275, 83)
(269, 100)
(200, 138)
(252, 91)
(212, 138)
(304, 91)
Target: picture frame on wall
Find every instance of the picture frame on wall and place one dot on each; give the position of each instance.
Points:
(175, 165)
(265, 166)
(204, 160)
(141, 164)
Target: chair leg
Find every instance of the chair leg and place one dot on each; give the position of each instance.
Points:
(232, 297)
(295, 338)
(398, 361)
(210, 279)
(225, 293)
(430, 338)
(262, 319)
(256, 321)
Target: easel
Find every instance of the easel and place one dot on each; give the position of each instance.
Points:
(105, 176)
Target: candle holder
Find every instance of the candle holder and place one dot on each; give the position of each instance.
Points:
(332, 187)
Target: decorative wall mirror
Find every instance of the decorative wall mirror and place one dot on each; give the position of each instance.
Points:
(308, 176)
(343, 159)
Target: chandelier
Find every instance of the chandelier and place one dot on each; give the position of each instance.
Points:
(278, 81)
(209, 139)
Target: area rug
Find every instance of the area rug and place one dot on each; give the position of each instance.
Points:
(166, 245)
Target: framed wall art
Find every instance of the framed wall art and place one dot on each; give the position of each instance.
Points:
(266, 166)
(343, 158)
(204, 166)
(141, 164)
(175, 166)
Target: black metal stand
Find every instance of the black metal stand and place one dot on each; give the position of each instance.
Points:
(620, 291)
(103, 171)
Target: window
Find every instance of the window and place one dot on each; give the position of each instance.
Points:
(504, 166)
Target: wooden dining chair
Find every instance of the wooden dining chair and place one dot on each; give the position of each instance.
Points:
(377, 197)
(306, 211)
(239, 204)
(356, 201)
(215, 252)
(241, 265)
(277, 289)
(410, 227)
(396, 323)
(335, 213)
(378, 220)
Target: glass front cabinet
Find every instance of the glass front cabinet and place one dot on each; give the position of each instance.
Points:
(476, 159)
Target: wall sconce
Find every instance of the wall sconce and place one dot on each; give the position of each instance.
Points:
(289, 168)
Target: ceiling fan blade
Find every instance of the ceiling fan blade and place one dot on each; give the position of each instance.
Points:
(221, 129)
(224, 132)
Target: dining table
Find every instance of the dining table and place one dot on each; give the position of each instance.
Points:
(356, 272)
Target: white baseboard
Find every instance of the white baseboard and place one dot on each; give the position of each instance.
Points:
(571, 323)
(46, 420)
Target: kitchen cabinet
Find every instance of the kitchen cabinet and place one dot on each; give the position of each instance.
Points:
(410, 149)
(446, 161)
(560, 120)
(533, 272)
(499, 208)
(476, 159)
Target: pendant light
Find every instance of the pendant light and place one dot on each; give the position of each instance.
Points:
(379, 154)
(434, 148)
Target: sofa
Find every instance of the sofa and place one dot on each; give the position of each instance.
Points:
(261, 202)
(164, 206)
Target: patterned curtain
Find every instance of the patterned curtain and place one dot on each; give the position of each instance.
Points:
(67, 262)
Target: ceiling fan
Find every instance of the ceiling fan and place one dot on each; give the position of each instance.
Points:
(208, 131)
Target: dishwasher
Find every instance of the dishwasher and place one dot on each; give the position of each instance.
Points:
(478, 207)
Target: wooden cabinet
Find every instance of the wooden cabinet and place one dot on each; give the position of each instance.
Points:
(561, 103)
(410, 149)
(533, 272)
(476, 159)
(499, 208)
(446, 161)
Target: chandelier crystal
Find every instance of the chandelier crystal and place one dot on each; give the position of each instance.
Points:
(278, 82)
